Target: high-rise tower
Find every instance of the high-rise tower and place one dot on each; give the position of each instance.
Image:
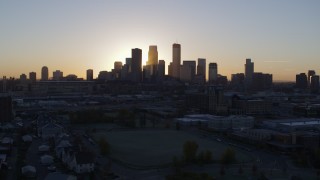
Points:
(249, 70)
(44, 73)
(213, 72)
(176, 60)
(136, 68)
(89, 75)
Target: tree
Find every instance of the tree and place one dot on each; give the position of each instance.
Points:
(104, 146)
(228, 156)
(222, 171)
(254, 169)
(190, 151)
(240, 171)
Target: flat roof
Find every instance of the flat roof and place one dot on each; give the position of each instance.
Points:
(301, 123)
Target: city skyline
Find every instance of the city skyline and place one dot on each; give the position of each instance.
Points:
(280, 37)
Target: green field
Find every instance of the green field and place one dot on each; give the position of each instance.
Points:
(157, 147)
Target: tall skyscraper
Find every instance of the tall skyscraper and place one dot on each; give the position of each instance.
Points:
(151, 67)
(57, 75)
(176, 60)
(33, 76)
(249, 70)
(90, 75)
(188, 71)
(201, 68)
(213, 72)
(152, 55)
(161, 69)
(44, 73)
(136, 66)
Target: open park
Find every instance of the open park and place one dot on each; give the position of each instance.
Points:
(151, 148)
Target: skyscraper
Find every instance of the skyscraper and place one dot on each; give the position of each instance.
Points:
(176, 60)
(249, 70)
(213, 72)
(33, 76)
(188, 71)
(310, 74)
(136, 68)
(152, 55)
(151, 67)
(161, 69)
(44, 73)
(89, 75)
(201, 68)
(301, 81)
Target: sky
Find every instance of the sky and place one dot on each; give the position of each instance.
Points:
(281, 37)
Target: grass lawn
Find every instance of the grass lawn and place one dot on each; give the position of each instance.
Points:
(157, 147)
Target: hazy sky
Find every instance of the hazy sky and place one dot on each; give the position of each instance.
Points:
(281, 36)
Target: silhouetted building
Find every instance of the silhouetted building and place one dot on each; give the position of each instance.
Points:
(5, 108)
(237, 81)
(261, 81)
(71, 77)
(136, 66)
(44, 73)
(33, 77)
(126, 69)
(213, 72)
(117, 70)
(23, 78)
(210, 101)
(201, 69)
(161, 69)
(314, 85)
(310, 74)
(222, 80)
(176, 60)
(89, 75)
(57, 75)
(170, 69)
(249, 70)
(103, 75)
(188, 71)
(301, 81)
(152, 62)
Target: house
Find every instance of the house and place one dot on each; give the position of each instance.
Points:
(82, 162)
(49, 130)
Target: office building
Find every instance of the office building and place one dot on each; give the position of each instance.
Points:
(136, 65)
(57, 75)
(161, 69)
(249, 70)
(213, 72)
(261, 81)
(33, 77)
(23, 77)
(301, 81)
(314, 85)
(152, 62)
(310, 74)
(188, 71)
(201, 68)
(89, 75)
(44, 73)
(176, 60)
